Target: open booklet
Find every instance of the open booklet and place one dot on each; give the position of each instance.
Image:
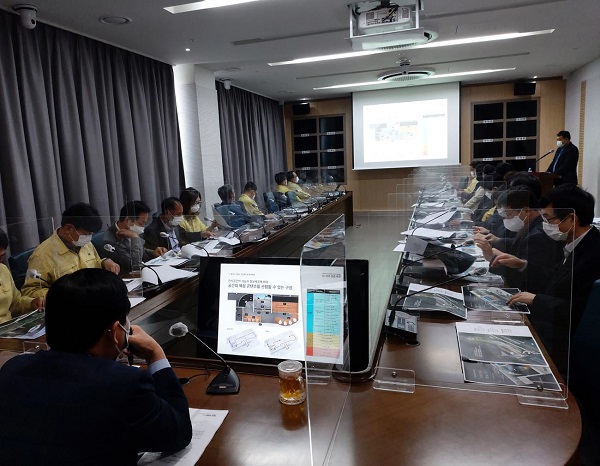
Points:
(26, 327)
(491, 298)
(434, 300)
(503, 355)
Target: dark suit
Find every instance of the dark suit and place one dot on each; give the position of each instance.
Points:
(73, 409)
(551, 310)
(565, 164)
(153, 240)
(540, 251)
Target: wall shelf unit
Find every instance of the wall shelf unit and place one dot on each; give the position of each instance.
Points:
(319, 152)
(506, 131)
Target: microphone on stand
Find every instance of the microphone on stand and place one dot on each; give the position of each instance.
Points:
(547, 153)
(226, 382)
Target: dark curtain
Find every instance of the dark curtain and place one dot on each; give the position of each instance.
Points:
(81, 121)
(252, 138)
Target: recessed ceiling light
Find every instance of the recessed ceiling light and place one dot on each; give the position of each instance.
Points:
(436, 76)
(441, 43)
(115, 20)
(187, 49)
(204, 5)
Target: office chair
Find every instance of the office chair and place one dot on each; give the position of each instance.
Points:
(281, 200)
(97, 241)
(269, 199)
(18, 266)
(295, 204)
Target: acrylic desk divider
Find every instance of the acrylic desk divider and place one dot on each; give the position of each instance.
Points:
(323, 281)
(448, 326)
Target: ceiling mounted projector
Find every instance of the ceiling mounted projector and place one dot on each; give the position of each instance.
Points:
(383, 25)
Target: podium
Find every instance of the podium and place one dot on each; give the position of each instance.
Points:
(546, 180)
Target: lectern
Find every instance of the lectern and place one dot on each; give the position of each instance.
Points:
(546, 180)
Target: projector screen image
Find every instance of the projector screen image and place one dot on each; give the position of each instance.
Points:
(407, 127)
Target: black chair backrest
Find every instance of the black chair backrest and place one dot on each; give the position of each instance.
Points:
(18, 266)
(269, 199)
(281, 200)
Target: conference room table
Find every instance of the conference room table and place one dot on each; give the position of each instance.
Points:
(351, 423)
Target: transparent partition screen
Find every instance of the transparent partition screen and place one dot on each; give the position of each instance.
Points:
(482, 299)
(327, 334)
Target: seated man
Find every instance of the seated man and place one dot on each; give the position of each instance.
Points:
(12, 304)
(529, 259)
(568, 212)
(292, 184)
(74, 404)
(66, 251)
(281, 180)
(164, 231)
(247, 199)
(125, 246)
(233, 212)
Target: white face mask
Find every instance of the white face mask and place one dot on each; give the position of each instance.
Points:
(559, 144)
(175, 221)
(82, 241)
(473, 174)
(553, 232)
(195, 209)
(514, 224)
(137, 229)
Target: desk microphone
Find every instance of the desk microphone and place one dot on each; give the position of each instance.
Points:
(431, 220)
(160, 283)
(226, 382)
(547, 153)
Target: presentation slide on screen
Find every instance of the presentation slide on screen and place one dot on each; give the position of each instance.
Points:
(261, 313)
(406, 127)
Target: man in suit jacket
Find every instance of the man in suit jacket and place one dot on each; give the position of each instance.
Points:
(527, 261)
(565, 160)
(165, 232)
(74, 404)
(568, 212)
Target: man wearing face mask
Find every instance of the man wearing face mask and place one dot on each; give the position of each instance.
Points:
(123, 241)
(75, 404)
(292, 184)
(568, 212)
(67, 250)
(565, 160)
(164, 230)
(530, 257)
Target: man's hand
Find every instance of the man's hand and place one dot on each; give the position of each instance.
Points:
(126, 233)
(485, 246)
(159, 251)
(38, 303)
(481, 230)
(111, 266)
(209, 234)
(144, 346)
(522, 297)
(508, 260)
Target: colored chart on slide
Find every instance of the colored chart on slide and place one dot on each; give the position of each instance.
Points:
(323, 323)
